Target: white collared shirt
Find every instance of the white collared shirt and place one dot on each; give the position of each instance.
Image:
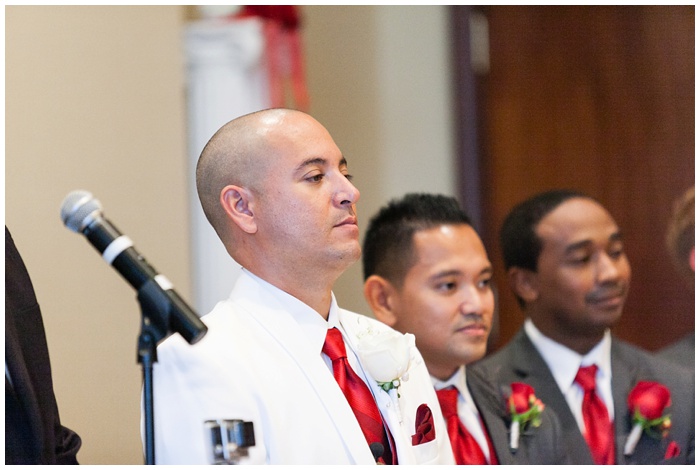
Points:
(312, 324)
(466, 408)
(564, 364)
(353, 360)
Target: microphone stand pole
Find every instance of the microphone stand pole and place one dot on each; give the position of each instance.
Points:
(147, 356)
(155, 313)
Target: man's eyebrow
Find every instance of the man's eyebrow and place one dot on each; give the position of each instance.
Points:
(578, 246)
(319, 161)
(455, 272)
(617, 236)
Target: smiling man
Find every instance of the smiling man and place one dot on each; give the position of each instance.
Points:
(568, 269)
(279, 352)
(427, 273)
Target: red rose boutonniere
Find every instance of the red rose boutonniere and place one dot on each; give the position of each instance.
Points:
(647, 402)
(525, 410)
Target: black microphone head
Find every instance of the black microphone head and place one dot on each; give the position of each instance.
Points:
(377, 450)
(79, 209)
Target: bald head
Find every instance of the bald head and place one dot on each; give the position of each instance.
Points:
(238, 154)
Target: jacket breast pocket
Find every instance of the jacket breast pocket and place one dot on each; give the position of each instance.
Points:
(426, 453)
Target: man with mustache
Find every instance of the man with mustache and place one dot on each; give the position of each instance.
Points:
(427, 273)
(279, 352)
(567, 267)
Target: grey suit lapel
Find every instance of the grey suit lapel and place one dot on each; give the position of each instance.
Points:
(492, 412)
(624, 373)
(529, 365)
(627, 370)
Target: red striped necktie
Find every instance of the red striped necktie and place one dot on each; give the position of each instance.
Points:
(599, 433)
(358, 395)
(465, 448)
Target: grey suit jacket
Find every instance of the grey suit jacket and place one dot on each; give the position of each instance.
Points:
(519, 361)
(542, 445)
(681, 352)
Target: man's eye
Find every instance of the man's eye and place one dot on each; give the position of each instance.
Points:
(315, 178)
(349, 177)
(446, 286)
(616, 253)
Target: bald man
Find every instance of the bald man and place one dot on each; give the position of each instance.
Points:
(279, 351)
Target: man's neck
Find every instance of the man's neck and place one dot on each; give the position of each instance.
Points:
(316, 292)
(441, 372)
(580, 343)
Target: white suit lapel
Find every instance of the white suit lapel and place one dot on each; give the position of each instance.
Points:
(278, 320)
(388, 403)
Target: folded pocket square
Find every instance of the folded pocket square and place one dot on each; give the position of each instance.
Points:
(425, 427)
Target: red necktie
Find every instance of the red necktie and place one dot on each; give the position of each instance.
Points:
(464, 446)
(599, 435)
(358, 395)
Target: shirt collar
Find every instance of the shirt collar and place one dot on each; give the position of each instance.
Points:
(312, 324)
(458, 381)
(563, 362)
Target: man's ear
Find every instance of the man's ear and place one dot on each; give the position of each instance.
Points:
(236, 201)
(379, 294)
(524, 283)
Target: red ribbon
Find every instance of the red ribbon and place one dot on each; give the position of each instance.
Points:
(283, 52)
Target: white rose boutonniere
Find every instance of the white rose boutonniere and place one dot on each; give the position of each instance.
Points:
(387, 357)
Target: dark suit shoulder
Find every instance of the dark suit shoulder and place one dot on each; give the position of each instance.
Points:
(681, 352)
(652, 367)
(34, 434)
(513, 362)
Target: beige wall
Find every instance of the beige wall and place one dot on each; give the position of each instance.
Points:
(95, 101)
(379, 78)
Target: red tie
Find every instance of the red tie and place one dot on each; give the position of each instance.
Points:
(358, 395)
(464, 446)
(599, 435)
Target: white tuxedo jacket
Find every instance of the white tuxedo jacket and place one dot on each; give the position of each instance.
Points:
(257, 363)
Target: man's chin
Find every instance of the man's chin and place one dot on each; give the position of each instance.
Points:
(474, 353)
(347, 256)
(607, 318)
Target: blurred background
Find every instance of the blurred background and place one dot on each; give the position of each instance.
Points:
(489, 104)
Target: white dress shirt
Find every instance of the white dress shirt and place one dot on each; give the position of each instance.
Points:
(466, 408)
(564, 364)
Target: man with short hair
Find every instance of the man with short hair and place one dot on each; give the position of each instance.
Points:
(567, 266)
(427, 273)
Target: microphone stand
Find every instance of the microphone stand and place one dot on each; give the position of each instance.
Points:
(155, 321)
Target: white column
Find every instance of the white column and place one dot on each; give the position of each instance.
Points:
(225, 79)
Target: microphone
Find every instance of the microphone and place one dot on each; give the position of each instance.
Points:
(377, 450)
(82, 213)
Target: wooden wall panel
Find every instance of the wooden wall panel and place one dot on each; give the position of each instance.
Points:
(600, 99)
